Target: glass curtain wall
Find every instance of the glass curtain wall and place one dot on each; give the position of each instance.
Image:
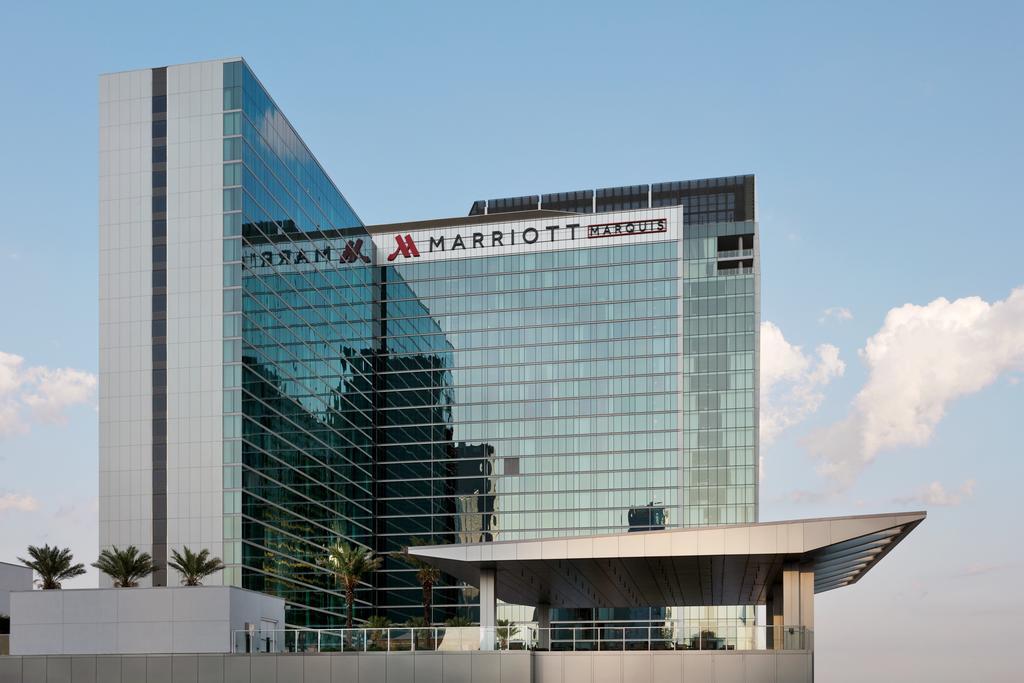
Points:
(299, 356)
(417, 460)
(719, 370)
(545, 393)
(720, 440)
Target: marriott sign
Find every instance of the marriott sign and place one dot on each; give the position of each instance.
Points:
(482, 239)
(524, 236)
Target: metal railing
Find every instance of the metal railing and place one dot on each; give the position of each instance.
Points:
(391, 639)
(563, 638)
(735, 253)
(742, 270)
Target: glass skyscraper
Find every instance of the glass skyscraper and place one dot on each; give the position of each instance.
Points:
(276, 376)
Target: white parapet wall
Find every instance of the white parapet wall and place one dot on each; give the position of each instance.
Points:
(423, 667)
(172, 620)
(13, 577)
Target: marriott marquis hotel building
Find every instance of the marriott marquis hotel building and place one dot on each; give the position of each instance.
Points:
(275, 374)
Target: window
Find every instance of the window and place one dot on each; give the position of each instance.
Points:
(232, 275)
(232, 300)
(232, 149)
(160, 154)
(232, 175)
(232, 250)
(160, 129)
(232, 224)
(232, 98)
(232, 326)
(232, 123)
(232, 199)
(232, 350)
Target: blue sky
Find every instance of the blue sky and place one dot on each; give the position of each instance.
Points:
(887, 145)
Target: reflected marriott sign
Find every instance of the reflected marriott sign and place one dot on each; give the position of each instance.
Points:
(406, 245)
(351, 253)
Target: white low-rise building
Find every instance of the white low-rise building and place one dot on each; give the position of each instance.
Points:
(169, 620)
(13, 577)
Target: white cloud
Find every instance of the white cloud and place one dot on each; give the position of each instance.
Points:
(792, 381)
(806, 497)
(922, 359)
(39, 393)
(936, 495)
(980, 568)
(19, 502)
(838, 313)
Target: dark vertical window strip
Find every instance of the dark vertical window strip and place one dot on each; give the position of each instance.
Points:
(159, 338)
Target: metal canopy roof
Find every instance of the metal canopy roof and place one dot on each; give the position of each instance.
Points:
(723, 565)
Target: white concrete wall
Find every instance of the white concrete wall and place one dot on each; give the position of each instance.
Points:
(654, 667)
(168, 620)
(195, 179)
(125, 297)
(426, 667)
(13, 577)
(194, 309)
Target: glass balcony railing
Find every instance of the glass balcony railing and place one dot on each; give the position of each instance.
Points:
(736, 253)
(671, 635)
(741, 270)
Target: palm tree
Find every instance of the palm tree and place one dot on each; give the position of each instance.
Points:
(194, 567)
(377, 624)
(53, 565)
(378, 621)
(426, 575)
(421, 633)
(126, 566)
(506, 631)
(350, 563)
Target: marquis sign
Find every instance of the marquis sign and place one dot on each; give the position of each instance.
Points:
(626, 228)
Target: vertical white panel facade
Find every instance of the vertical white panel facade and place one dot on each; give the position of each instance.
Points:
(195, 308)
(125, 283)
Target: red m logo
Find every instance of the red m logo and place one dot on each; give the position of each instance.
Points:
(406, 247)
(354, 252)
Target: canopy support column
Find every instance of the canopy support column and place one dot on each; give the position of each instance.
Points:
(773, 617)
(544, 627)
(797, 605)
(488, 607)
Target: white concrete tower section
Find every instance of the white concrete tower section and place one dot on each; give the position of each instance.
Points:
(187, 503)
(125, 315)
